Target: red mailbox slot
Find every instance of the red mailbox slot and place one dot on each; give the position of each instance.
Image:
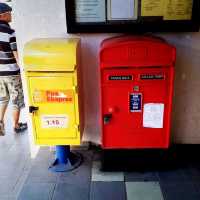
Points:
(137, 75)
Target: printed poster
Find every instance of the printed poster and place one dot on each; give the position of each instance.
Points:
(153, 115)
(178, 9)
(152, 8)
(169, 9)
(90, 10)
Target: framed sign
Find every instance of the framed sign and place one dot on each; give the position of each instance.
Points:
(114, 16)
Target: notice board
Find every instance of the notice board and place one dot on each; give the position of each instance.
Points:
(85, 16)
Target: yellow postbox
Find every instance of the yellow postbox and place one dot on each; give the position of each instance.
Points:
(53, 81)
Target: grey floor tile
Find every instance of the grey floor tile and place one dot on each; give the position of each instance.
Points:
(7, 186)
(108, 191)
(22, 139)
(176, 175)
(44, 157)
(140, 176)
(12, 161)
(192, 174)
(23, 150)
(97, 155)
(7, 197)
(28, 164)
(65, 191)
(12, 172)
(98, 175)
(180, 191)
(21, 181)
(42, 175)
(37, 191)
(45, 152)
(11, 175)
(43, 162)
(197, 185)
(81, 175)
(5, 145)
(39, 171)
(143, 191)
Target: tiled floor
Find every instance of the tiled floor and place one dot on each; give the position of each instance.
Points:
(88, 182)
(15, 162)
(24, 179)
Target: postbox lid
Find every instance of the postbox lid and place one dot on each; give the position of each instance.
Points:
(136, 51)
(51, 54)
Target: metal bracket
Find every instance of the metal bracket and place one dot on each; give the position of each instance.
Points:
(32, 109)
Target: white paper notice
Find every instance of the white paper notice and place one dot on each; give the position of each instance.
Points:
(122, 9)
(54, 121)
(153, 115)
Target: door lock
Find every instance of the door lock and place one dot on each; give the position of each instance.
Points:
(32, 109)
(107, 118)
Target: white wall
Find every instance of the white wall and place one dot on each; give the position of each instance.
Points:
(46, 18)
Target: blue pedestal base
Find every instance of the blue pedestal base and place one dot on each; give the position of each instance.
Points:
(65, 160)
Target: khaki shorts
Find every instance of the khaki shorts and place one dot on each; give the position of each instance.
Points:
(11, 89)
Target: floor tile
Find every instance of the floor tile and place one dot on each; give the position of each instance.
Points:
(143, 191)
(22, 139)
(65, 191)
(108, 191)
(180, 191)
(23, 150)
(192, 174)
(11, 172)
(8, 197)
(42, 175)
(21, 181)
(7, 186)
(44, 157)
(98, 175)
(171, 176)
(81, 175)
(97, 155)
(4, 146)
(11, 167)
(12, 163)
(39, 171)
(37, 191)
(197, 185)
(140, 176)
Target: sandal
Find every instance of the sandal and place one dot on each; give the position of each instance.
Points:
(21, 127)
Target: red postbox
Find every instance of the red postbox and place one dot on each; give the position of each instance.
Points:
(137, 75)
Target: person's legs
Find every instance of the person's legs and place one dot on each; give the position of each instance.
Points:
(17, 99)
(18, 127)
(3, 108)
(4, 98)
(16, 115)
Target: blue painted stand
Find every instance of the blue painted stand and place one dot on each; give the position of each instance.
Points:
(65, 160)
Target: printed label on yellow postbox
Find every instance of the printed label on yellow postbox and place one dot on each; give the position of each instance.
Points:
(53, 96)
(54, 121)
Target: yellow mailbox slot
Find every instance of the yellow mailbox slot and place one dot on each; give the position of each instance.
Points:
(53, 78)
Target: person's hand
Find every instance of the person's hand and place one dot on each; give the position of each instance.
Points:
(16, 56)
